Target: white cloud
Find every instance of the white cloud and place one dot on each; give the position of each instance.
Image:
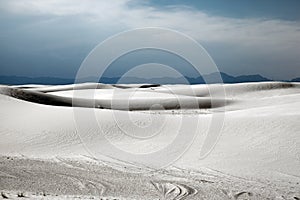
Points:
(279, 39)
(190, 21)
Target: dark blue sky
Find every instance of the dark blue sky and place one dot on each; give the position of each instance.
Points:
(51, 38)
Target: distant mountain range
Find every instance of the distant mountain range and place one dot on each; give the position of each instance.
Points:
(296, 80)
(210, 78)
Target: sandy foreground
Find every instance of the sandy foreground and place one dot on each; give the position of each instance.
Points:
(47, 154)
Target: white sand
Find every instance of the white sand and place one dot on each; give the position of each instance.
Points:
(258, 145)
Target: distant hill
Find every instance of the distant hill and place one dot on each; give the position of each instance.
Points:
(20, 80)
(251, 78)
(209, 78)
(296, 80)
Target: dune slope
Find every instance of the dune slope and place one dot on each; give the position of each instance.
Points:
(258, 146)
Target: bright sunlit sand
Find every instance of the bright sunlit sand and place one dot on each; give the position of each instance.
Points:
(257, 154)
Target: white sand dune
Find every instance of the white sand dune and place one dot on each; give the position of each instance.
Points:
(258, 146)
(120, 99)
